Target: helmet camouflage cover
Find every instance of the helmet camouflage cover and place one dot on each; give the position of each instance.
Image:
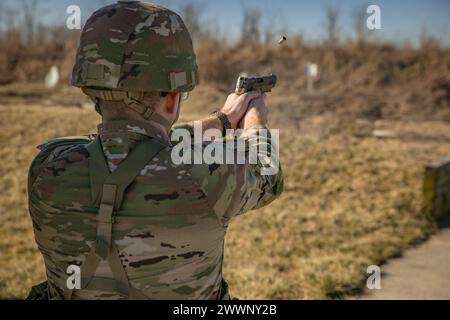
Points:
(135, 46)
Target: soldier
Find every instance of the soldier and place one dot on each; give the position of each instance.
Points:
(138, 225)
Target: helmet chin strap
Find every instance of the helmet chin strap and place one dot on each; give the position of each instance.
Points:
(178, 111)
(133, 100)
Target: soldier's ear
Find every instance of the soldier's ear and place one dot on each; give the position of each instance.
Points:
(172, 100)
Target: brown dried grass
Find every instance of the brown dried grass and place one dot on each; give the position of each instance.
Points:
(351, 200)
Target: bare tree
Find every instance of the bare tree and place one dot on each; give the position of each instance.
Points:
(29, 8)
(2, 19)
(251, 25)
(427, 40)
(11, 28)
(332, 24)
(191, 14)
(359, 16)
(272, 27)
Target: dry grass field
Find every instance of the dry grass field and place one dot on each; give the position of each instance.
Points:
(351, 200)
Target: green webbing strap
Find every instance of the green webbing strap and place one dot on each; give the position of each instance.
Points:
(107, 191)
(124, 174)
(105, 219)
(87, 271)
(119, 284)
(98, 169)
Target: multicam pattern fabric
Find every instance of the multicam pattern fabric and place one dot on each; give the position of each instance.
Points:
(135, 46)
(170, 229)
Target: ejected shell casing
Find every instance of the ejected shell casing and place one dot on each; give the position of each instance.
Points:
(282, 39)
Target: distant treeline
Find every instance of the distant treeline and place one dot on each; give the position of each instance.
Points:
(359, 75)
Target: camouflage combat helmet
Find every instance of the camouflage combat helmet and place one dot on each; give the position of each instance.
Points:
(132, 47)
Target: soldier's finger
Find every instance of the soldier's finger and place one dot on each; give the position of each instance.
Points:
(258, 103)
(259, 99)
(248, 96)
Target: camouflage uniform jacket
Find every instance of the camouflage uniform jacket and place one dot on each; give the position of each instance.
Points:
(170, 228)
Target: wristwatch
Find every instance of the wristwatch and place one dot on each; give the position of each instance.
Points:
(224, 119)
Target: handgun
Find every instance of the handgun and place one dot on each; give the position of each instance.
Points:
(252, 83)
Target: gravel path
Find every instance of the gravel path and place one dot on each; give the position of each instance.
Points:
(421, 273)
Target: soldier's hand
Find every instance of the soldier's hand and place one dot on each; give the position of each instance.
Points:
(237, 105)
(256, 115)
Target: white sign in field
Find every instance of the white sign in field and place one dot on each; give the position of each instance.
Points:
(52, 77)
(311, 72)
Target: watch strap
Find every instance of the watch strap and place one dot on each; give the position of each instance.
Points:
(226, 124)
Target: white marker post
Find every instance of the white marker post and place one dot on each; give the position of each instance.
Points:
(311, 72)
(52, 77)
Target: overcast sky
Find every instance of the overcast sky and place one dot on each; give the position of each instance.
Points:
(402, 20)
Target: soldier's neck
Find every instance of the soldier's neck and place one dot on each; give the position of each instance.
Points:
(133, 120)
